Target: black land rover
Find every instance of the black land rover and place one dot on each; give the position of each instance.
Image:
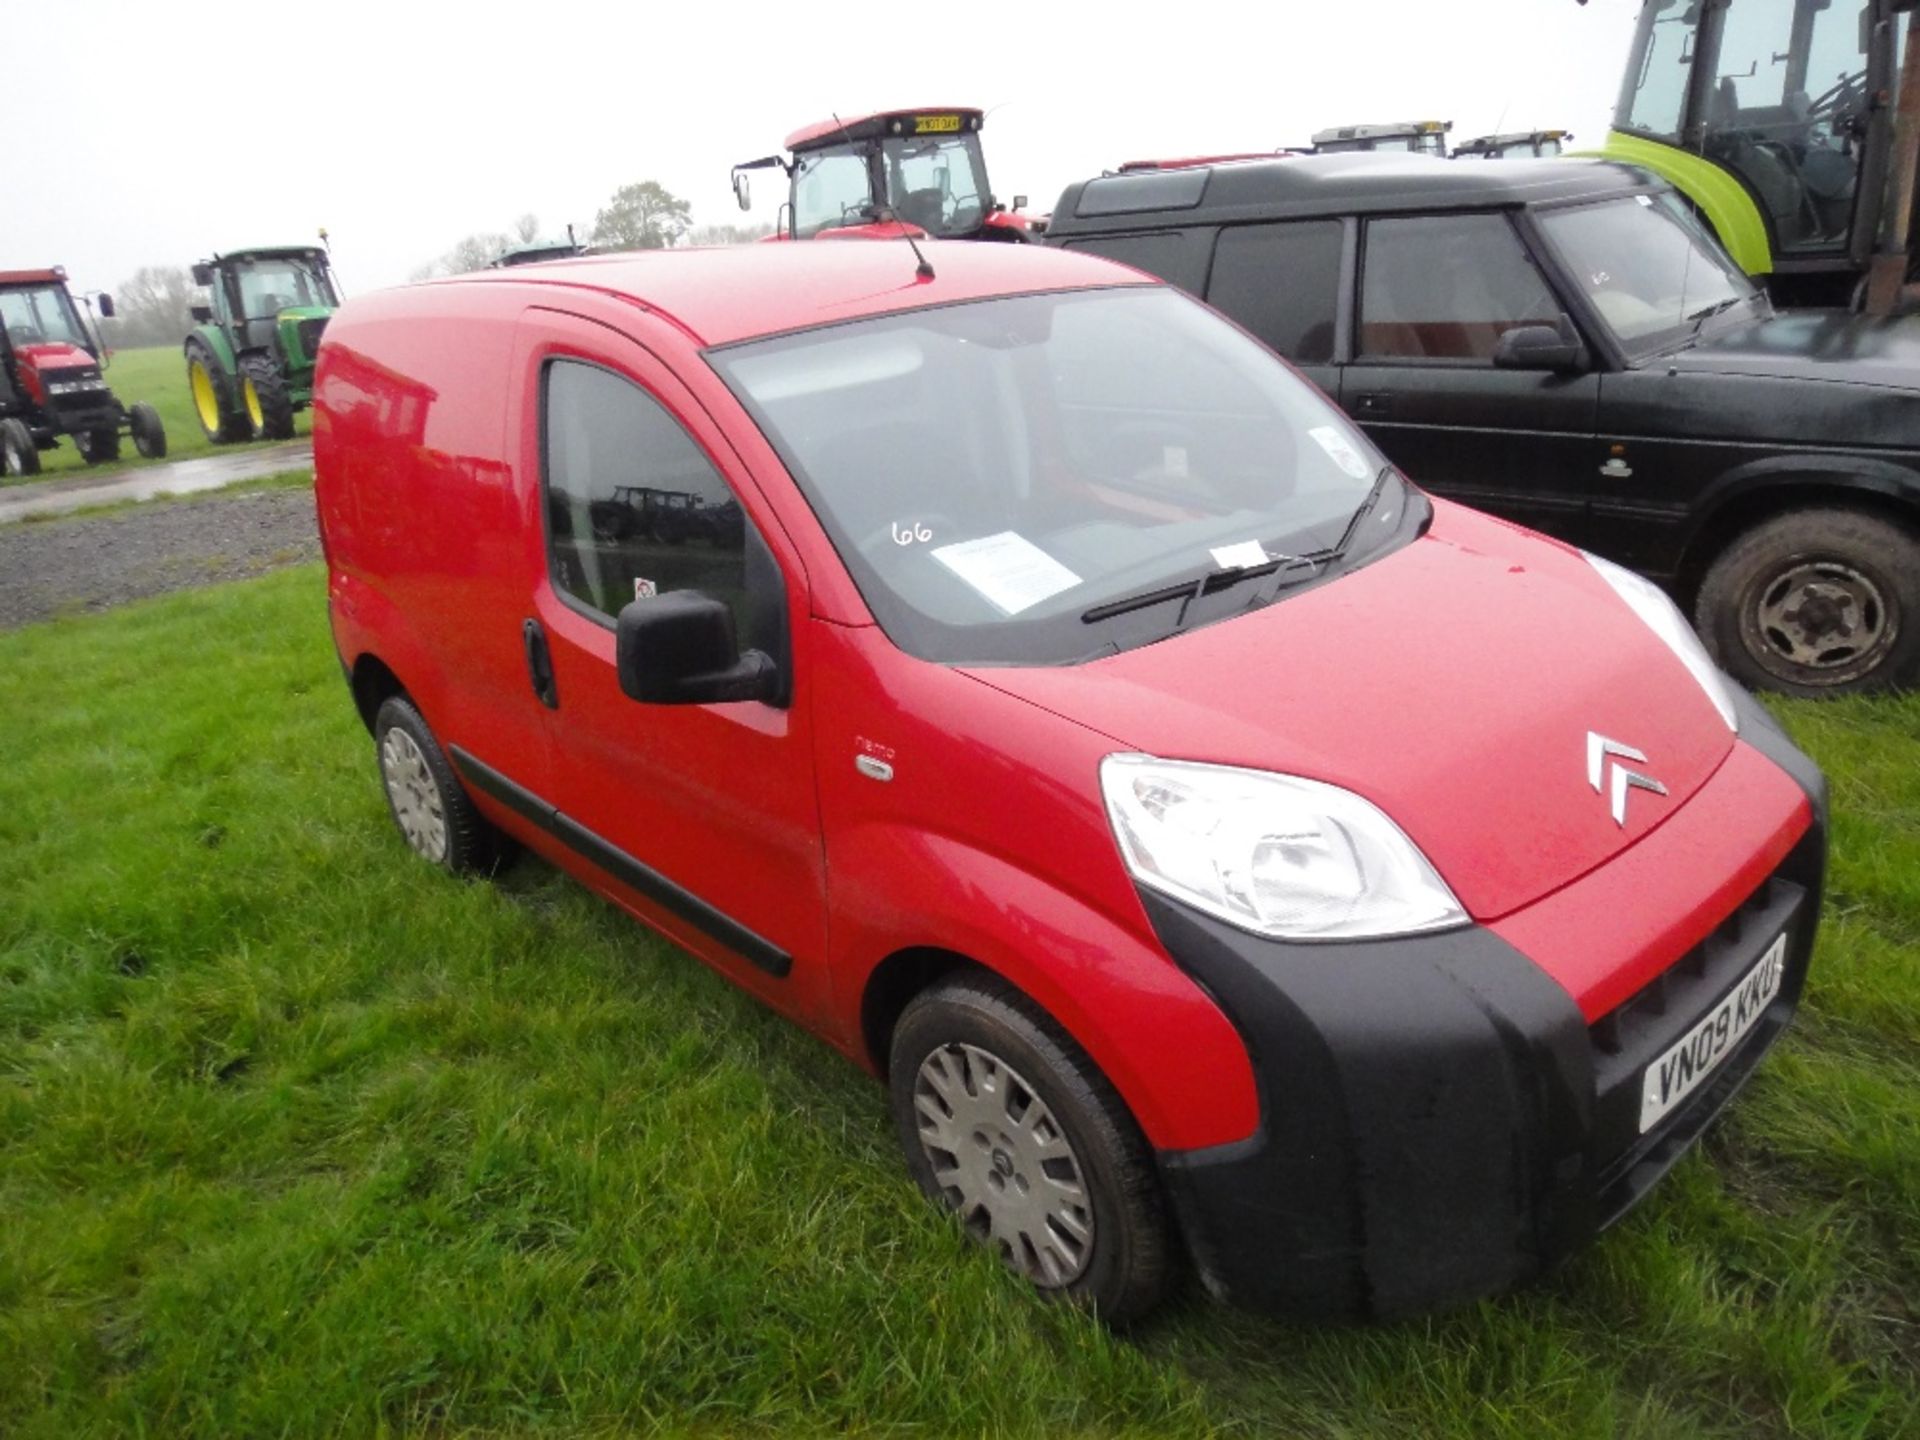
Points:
(1559, 342)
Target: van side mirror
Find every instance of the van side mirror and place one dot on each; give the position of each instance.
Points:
(1541, 347)
(202, 314)
(679, 649)
(203, 274)
(106, 306)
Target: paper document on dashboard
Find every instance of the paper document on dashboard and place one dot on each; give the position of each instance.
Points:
(1008, 570)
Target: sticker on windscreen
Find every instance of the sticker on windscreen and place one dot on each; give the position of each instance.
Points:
(1007, 570)
(1340, 450)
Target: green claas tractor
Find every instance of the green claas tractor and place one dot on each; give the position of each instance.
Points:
(250, 358)
(1793, 127)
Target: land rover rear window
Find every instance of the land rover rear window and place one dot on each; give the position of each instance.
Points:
(1170, 254)
(1283, 283)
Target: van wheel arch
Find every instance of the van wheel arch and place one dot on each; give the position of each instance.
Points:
(373, 684)
(890, 988)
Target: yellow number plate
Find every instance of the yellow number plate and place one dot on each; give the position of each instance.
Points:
(935, 124)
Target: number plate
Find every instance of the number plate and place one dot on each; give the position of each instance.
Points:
(1686, 1066)
(935, 124)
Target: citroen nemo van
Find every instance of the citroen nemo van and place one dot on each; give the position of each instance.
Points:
(1223, 850)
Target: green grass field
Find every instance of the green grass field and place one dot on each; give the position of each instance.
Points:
(298, 1137)
(159, 377)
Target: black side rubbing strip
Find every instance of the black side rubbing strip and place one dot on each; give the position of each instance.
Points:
(623, 867)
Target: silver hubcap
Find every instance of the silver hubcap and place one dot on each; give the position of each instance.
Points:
(1821, 616)
(416, 799)
(1004, 1163)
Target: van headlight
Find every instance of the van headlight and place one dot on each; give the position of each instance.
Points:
(1281, 856)
(1663, 617)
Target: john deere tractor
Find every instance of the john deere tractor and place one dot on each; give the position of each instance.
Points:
(250, 358)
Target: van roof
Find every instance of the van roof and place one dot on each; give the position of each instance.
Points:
(1308, 185)
(740, 292)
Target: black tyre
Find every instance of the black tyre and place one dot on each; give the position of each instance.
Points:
(265, 398)
(149, 435)
(98, 447)
(1816, 602)
(19, 456)
(216, 399)
(1006, 1122)
(425, 797)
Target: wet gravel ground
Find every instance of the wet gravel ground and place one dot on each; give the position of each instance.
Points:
(62, 567)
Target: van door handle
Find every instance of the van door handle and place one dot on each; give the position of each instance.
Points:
(539, 664)
(1373, 403)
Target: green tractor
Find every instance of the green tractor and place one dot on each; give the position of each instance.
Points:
(250, 357)
(1793, 127)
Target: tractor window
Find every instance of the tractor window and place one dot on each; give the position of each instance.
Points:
(1656, 88)
(830, 187)
(938, 182)
(634, 507)
(269, 286)
(41, 316)
(1447, 287)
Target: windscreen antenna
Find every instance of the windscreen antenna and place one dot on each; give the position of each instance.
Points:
(883, 210)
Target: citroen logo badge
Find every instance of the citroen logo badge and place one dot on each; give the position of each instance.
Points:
(1610, 777)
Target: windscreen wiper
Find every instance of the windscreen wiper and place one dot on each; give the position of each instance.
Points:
(1719, 307)
(1366, 508)
(1208, 582)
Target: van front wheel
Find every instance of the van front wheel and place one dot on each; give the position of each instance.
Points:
(425, 797)
(1008, 1124)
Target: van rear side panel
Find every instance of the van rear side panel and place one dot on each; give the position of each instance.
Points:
(432, 540)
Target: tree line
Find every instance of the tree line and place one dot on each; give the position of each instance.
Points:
(153, 304)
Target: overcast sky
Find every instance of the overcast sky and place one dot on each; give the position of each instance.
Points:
(155, 132)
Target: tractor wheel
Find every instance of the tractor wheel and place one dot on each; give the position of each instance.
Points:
(19, 456)
(98, 447)
(214, 402)
(263, 392)
(149, 435)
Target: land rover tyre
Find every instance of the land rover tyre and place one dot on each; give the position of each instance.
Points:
(19, 456)
(98, 447)
(264, 396)
(149, 435)
(425, 797)
(1815, 603)
(1008, 1124)
(215, 403)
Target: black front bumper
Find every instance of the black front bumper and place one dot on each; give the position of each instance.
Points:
(1439, 1122)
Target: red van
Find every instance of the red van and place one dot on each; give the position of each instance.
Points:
(1043, 695)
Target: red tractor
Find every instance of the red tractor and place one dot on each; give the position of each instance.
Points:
(875, 173)
(50, 381)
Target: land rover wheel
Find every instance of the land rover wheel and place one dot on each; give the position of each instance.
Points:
(263, 394)
(1816, 602)
(149, 435)
(98, 447)
(19, 456)
(425, 797)
(1009, 1125)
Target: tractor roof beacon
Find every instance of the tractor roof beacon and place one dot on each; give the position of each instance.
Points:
(250, 358)
(870, 175)
(1793, 126)
(50, 379)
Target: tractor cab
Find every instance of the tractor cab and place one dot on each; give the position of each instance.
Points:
(1520, 145)
(1418, 137)
(250, 358)
(51, 381)
(1775, 118)
(920, 168)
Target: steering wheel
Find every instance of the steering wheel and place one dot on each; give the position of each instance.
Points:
(1829, 102)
